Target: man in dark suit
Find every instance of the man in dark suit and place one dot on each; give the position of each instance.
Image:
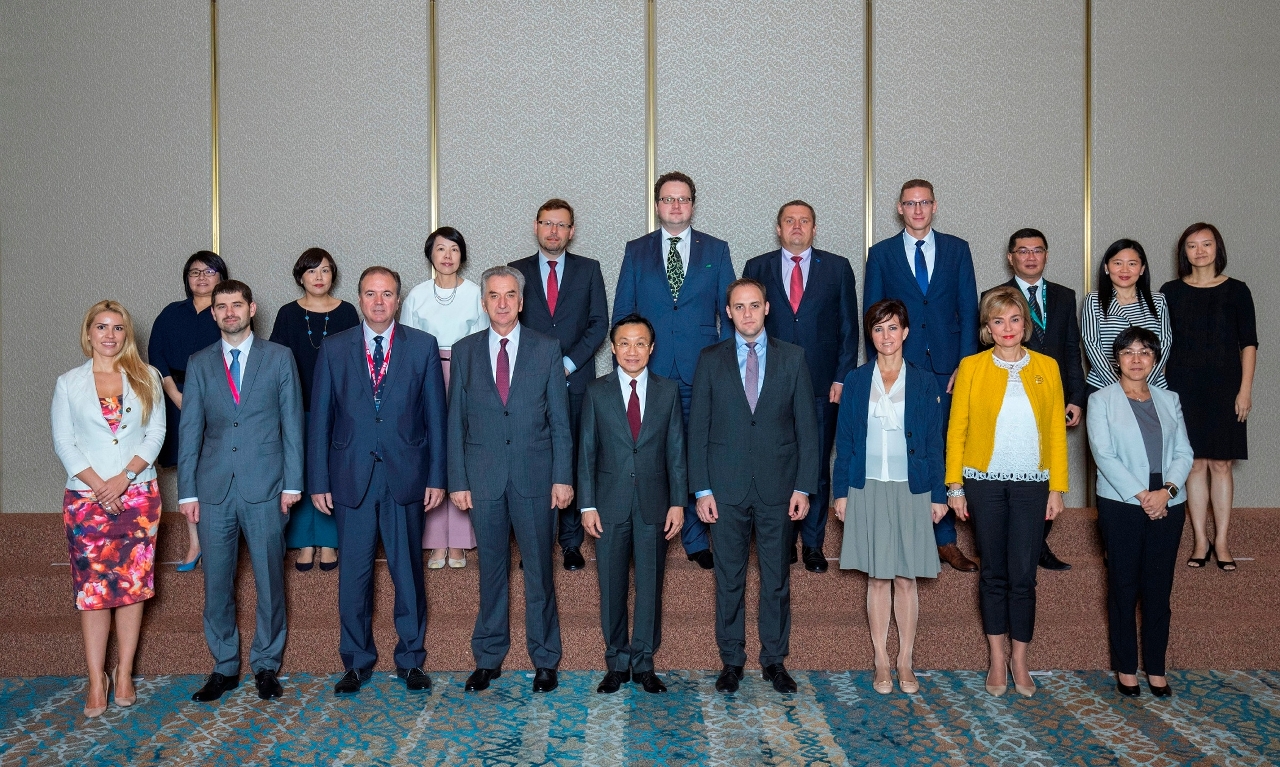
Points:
(632, 488)
(376, 459)
(932, 274)
(676, 278)
(820, 315)
(511, 466)
(239, 455)
(1054, 331)
(564, 298)
(753, 463)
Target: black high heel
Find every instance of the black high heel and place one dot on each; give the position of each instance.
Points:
(1198, 562)
(1229, 565)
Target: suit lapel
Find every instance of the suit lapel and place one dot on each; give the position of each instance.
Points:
(697, 268)
(533, 274)
(811, 285)
(615, 408)
(362, 364)
(250, 371)
(770, 372)
(941, 257)
(904, 266)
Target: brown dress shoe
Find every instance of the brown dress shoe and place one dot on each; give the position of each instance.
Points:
(952, 555)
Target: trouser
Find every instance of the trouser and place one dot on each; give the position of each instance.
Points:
(1008, 521)
(812, 530)
(693, 536)
(944, 530)
(570, 527)
(219, 528)
(618, 544)
(732, 536)
(378, 516)
(533, 521)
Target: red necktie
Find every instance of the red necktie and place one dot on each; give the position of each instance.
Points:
(553, 289)
(797, 285)
(503, 377)
(633, 412)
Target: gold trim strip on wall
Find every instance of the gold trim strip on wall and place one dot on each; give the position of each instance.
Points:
(215, 214)
(650, 107)
(434, 118)
(868, 142)
(1088, 146)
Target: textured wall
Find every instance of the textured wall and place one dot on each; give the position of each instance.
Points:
(104, 188)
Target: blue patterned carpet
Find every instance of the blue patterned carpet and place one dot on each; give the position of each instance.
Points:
(1228, 718)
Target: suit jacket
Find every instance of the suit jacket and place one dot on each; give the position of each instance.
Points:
(685, 327)
(776, 446)
(826, 326)
(1061, 337)
(581, 321)
(922, 423)
(526, 441)
(82, 438)
(944, 323)
(258, 441)
(1118, 449)
(614, 469)
(346, 430)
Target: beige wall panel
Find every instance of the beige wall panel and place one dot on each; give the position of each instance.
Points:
(762, 103)
(324, 140)
(1187, 111)
(104, 189)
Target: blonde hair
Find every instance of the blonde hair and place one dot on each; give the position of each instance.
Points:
(998, 301)
(143, 379)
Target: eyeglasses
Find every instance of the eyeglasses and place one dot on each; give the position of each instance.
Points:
(562, 226)
(1141, 353)
(638, 345)
(194, 273)
(1024, 252)
(673, 200)
(919, 204)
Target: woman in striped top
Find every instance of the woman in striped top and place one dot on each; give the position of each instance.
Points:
(1123, 300)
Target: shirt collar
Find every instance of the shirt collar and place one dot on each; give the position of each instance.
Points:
(641, 380)
(513, 337)
(369, 334)
(544, 261)
(804, 257)
(741, 343)
(910, 241)
(1023, 285)
(244, 346)
(684, 236)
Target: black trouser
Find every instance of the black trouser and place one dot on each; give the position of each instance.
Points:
(731, 534)
(1142, 555)
(570, 524)
(1008, 521)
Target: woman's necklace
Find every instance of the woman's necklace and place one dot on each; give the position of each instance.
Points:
(306, 316)
(446, 300)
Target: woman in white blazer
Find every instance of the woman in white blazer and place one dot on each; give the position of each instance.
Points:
(1139, 443)
(108, 427)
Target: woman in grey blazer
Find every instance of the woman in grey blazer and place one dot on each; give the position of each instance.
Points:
(1139, 443)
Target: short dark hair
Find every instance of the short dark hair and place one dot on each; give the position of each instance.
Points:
(744, 282)
(1135, 334)
(312, 258)
(452, 235)
(227, 287)
(1184, 263)
(555, 203)
(209, 259)
(1027, 234)
(1144, 281)
(674, 175)
(915, 183)
(882, 311)
(813, 214)
(633, 319)
(392, 273)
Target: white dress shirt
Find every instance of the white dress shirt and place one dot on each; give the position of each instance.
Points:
(642, 389)
(682, 247)
(513, 347)
(1041, 293)
(909, 243)
(806, 258)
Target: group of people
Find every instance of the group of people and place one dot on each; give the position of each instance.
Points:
(719, 420)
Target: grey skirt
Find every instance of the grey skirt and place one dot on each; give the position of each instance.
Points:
(888, 532)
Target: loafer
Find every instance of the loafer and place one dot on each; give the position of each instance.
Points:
(952, 555)
(545, 680)
(613, 681)
(729, 678)
(268, 684)
(415, 679)
(1128, 690)
(351, 681)
(814, 560)
(1050, 561)
(703, 558)
(649, 681)
(573, 559)
(215, 686)
(782, 681)
(479, 679)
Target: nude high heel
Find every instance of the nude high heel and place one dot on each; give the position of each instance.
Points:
(96, 711)
(122, 701)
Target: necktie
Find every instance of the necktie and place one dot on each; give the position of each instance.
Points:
(797, 285)
(553, 289)
(922, 268)
(1037, 314)
(503, 378)
(753, 376)
(675, 270)
(378, 357)
(633, 412)
(235, 374)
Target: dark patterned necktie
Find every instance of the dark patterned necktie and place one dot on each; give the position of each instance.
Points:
(752, 384)
(633, 412)
(503, 377)
(675, 269)
(922, 268)
(1037, 315)
(553, 289)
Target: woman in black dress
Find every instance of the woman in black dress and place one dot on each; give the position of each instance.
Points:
(1211, 368)
(302, 326)
(182, 329)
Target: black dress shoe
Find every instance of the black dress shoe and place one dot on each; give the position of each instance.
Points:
(613, 681)
(573, 559)
(268, 685)
(649, 681)
(351, 681)
(1049, 561)
(814, 560)
(729, 678)
(479, 679)
(415, 679)
(215, 686)
(794, 557)
(782, 681)
(1160, 692)
(703, 558)
(1128, 690)
(545, 680)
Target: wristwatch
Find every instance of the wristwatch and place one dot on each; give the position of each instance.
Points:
(130, 475)
(1172, 488)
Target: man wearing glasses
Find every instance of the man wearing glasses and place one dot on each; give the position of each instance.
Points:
(676, 277)
(932, 273)
(564, 298)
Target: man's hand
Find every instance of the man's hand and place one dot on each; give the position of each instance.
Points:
(591, 523)
(707, 509)
(1073, 415)
(951, 382)
(838, 506)
(323, 502)
(561, 496)
(675, 521)
(461, 499)
(1054, 507)
(798, 507)
(567, 372)
(287, 500)
(432, 498)
(834, 395)
(190, 510)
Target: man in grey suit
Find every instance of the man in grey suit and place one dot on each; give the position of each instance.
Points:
(239, 460)
(632, 488)
(511, 466)
(753, 463)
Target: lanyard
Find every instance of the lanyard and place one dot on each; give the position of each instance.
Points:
(235, 391)
(377, 376)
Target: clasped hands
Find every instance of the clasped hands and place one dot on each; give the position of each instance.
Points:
(1155, 503)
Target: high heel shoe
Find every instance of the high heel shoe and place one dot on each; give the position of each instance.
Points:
(1025, 691)
(882, 686)
(1198, 562)
(998, 689)
(122, 701)
(907, 681)
(96, 711)
(186, 567)
(1229, 565)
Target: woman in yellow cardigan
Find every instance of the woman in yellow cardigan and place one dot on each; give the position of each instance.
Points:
(1007, 464)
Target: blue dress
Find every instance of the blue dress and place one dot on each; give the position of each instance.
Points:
(179, 332)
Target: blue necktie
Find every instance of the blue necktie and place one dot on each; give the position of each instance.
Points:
(922, 268)
(378, 358)
(235, 368)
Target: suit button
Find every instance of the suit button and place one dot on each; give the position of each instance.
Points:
(124, 426)
(233, 449)
(128, 410)
(753, 423)
(235, 424)
(508, 442)
(633, 473)
(675, 308)
(505, 413)
(908, 434)
(923, 326)
(115, 441)
(926, 302)
(634, 451)
(377, 420)
(911, 452)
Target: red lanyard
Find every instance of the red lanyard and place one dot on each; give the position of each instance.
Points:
(235, 392)
(377, 376)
